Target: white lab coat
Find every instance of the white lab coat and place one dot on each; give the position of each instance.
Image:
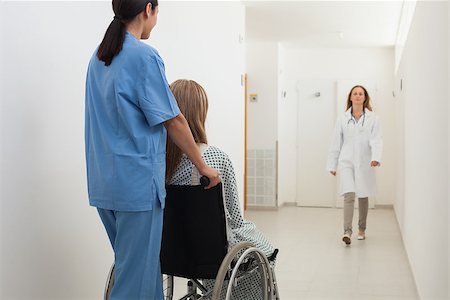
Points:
(352, 149)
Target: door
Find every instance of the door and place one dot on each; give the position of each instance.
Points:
(315, 123)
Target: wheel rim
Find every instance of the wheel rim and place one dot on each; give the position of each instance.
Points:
(263, 267)
(168, 287)
(225, 266)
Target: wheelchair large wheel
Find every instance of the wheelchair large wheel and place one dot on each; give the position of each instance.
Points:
(244, 265)
(109, 283)
(168, 287)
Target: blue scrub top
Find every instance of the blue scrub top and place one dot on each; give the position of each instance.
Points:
(126, 104)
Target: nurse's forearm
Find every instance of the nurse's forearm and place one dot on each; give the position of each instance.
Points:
(179, 132)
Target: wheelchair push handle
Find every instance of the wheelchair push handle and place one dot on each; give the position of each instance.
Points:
(273, 256)
(204, 181)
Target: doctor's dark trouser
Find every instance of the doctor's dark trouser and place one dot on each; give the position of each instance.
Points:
(349, 205)
(136, 241)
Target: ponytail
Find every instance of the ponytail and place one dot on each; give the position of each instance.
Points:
(125, 11)
(112, 42)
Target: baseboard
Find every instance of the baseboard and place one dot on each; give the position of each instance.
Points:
(384, 206)
(261, 207)
(294, 204)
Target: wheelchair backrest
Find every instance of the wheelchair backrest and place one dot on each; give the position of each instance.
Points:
(194, 240)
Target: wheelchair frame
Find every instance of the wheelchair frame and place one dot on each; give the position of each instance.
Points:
(227, 277)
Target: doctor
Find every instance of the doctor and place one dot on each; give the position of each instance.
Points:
(130, 110)
(355, 150)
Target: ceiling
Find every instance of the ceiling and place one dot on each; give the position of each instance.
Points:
(324, 23)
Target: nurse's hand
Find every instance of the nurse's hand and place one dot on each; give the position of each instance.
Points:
(212, 174)
(374, 163)
(333, 173)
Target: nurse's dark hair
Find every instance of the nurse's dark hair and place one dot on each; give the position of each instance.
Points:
(366, 101)
(193, 103)
(124, 12)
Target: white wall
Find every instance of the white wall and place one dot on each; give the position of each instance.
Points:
(261, 67)
(423, 211)
(262, 70)
(53, 245)
(368, 64)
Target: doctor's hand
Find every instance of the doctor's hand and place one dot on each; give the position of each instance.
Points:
(333, 173)
(374, 163)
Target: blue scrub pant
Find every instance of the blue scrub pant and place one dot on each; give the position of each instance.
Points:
(136, 241)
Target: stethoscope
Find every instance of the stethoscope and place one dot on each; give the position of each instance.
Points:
(352, 119)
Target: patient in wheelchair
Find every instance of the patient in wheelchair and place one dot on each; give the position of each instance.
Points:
(193, 103)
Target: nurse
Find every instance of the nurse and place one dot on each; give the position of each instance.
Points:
(129, 112)
(355, 150)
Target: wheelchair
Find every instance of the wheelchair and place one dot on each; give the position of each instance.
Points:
(195, 246)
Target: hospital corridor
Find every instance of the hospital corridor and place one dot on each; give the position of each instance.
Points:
(308, 111)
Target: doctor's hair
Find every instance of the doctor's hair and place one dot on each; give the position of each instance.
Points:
(193, 103)
(366, 101)
(124, 12)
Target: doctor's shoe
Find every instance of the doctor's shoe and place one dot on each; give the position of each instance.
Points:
(361, 235)
(346, 239)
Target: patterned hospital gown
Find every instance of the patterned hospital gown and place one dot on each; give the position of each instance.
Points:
(238, 228)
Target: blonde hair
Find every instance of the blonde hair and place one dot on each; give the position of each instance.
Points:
(366, 101)
(193, 103)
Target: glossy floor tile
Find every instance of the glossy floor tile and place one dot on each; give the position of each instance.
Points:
(314, 264)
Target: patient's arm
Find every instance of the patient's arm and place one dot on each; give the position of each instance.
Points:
(231, 194)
